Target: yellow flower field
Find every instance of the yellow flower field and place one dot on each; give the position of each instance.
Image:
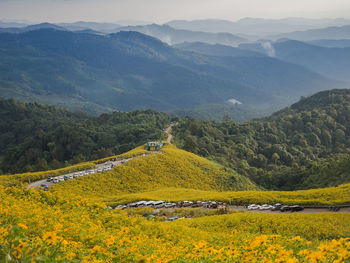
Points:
(37, 226)
(71, 222)
(172, 168)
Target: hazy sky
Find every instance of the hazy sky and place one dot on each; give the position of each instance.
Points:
(164, 10)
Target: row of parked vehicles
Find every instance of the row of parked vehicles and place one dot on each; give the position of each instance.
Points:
(78, 174)
(276, 207)
(163, 204)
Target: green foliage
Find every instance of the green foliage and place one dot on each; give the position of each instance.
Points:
(281, 152)
(36, 137)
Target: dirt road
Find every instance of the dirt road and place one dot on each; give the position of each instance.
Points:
(168, 132)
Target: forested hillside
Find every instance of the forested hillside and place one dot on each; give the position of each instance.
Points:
(40, 137)
(289, 150)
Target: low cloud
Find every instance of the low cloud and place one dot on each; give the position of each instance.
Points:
(270, 51)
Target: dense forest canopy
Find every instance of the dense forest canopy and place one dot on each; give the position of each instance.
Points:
(282, 151)
(306, 145)
(40, 137)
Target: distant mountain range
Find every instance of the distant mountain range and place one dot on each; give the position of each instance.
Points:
(334, 33)
(257, 26)
(331, 62)
(165, 33)
(18, 30)
(100, 27)
(341, 43)
(172, 36)
(130, 70)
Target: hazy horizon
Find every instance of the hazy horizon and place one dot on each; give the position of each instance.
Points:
(161, 11)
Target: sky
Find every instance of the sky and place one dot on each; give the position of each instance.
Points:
(160, 11)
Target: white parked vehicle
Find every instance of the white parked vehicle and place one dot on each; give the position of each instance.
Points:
(265, 207)
(149, 203)
(169, 205)
(253, 207)
(141, 203)
(159, 204)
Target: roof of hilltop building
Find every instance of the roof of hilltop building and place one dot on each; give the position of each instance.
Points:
(155, 145)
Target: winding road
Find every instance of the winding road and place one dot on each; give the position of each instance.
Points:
(99, 167)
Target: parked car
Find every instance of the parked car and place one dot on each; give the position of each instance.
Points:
(49, 179)
(214, 205)
(334, 208)
(55, 180)
(206, 204)
(187, 203)
(141, 203)
(276, 207)
(159, 204)
(149, 203)
(285, 208)
(253, 207)
(197, 204)
(296, 208)
(172, 218)
(169, 205)
(265, 207)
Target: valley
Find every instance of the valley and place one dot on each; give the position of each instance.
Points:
(201, 140)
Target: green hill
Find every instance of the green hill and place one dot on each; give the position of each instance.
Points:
(281, 151)
(171, 168)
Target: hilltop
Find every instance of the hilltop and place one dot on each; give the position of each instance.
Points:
(170, 168)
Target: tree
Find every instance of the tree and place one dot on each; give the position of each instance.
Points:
(275, 157)
(191, 144)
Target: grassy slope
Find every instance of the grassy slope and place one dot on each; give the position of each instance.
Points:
(173, 168)
(179, 175)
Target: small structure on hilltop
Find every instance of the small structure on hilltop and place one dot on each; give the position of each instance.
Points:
(154, 146)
